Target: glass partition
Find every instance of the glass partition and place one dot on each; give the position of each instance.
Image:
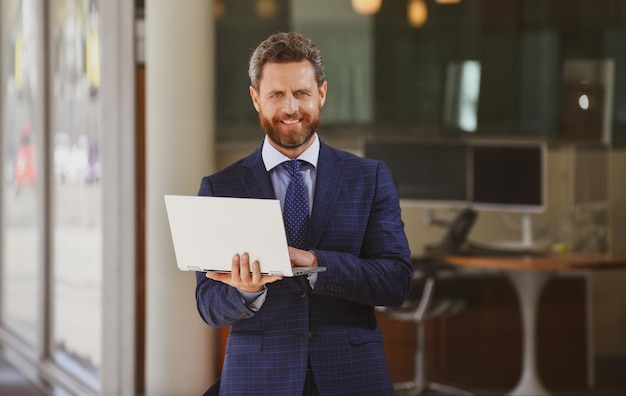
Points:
(471, 68)
(22, 166)
(76, 187)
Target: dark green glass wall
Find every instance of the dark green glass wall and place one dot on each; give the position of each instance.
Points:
(537, 58)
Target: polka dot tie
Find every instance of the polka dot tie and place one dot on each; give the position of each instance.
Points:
(296, 207)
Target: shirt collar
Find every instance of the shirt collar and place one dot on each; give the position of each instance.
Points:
(273, 157)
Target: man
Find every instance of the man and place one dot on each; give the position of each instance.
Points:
(315, 334)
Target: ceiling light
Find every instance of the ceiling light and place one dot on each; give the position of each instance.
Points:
(218, 9)
(366, 7)
(416, 12)
(266, 9)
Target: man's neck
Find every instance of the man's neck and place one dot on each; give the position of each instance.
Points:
(294, 152)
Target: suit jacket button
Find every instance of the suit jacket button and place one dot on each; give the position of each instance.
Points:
(312, 334)
(302, 293)
(332, 287)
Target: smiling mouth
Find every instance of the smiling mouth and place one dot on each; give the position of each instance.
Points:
(290, 122)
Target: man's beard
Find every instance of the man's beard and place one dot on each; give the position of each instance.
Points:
(295, 138)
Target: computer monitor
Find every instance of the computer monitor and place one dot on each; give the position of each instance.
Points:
(426, 172)
(509, 177)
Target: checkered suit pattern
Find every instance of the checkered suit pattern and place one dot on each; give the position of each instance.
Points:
(356, 232)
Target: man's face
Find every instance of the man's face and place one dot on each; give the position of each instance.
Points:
(289, 104)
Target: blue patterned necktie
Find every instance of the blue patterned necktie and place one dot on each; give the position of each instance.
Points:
(296, 207)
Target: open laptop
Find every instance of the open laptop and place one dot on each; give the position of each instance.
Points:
(208, 231)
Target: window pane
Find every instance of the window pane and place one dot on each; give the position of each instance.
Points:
(21, 168)
(77, 191)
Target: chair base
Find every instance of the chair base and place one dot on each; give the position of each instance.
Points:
(412, 388)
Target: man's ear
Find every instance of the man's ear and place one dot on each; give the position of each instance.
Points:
(255, 98)
(323, 89)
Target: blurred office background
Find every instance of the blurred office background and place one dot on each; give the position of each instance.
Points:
(106, 105)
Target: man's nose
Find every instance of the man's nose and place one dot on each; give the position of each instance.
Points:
(291, 104)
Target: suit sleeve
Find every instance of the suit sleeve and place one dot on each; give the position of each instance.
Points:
(380, 272)
(218, 303)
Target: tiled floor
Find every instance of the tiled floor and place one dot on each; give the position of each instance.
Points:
(502, 392)
(555, 392)
(12, 383)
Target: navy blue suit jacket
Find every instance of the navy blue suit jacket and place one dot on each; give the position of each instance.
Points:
(358, 235)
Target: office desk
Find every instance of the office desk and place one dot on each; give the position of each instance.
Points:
(529, 275)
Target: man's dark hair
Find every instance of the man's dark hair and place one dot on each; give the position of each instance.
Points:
(283, 48)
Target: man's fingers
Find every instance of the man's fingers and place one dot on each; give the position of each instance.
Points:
(244, 275)
(244, 268)
(302, 258)
(218, 276)
(256, 272)
(235, 266)
(271, 278)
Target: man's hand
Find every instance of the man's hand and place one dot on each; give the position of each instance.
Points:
(302, 258)
(244, 276)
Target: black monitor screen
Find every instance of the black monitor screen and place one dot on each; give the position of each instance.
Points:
(508, 176)
(423, 170)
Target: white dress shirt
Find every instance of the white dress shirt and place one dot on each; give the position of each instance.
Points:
(272, 159)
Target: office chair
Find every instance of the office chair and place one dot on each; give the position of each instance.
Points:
(419, 311)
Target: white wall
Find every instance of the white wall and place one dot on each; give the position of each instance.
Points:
(181, 350)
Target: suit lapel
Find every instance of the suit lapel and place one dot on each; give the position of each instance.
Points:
(258, 184)
(255, 178)
(327, 188)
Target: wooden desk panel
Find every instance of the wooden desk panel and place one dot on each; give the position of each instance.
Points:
(481, 346)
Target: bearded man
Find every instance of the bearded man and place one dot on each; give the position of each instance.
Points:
(315, 334)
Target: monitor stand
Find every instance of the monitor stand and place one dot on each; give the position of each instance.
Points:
(527, 230)
(526, 243)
